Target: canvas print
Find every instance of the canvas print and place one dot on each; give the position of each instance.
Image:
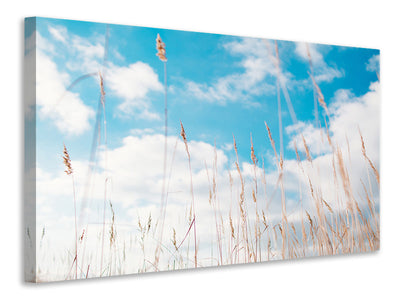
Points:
(152, 150)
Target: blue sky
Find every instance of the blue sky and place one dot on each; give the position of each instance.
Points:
(203, 59)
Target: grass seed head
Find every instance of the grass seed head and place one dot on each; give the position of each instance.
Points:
(160, 46)
(183, 135)
(67, 162)
(103, 93)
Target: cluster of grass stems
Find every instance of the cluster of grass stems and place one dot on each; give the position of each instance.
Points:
(247, 233)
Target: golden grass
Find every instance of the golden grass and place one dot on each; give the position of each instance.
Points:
(70, 171)
(326, 228)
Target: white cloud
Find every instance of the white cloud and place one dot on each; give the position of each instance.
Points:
(44, 44)
(55, 102)
(341, 96)
(362, 112)
(88, 49)
(65, 108)
(316, 140)
(132, 84)
(373, 64)
(144, 156)
(322, 71)
(316, 56)
(135, 172)
(349, 114)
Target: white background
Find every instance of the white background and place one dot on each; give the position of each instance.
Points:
(353, 23)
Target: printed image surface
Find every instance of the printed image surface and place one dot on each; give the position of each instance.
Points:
(163, 150)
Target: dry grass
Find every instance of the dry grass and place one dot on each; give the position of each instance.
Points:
(70, 171)
(326, 228)
(192, 207)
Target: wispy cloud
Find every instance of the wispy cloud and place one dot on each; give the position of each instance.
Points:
(87, 55)
(59, 33)
(80, 54)
(240, 86)
(322, 71)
